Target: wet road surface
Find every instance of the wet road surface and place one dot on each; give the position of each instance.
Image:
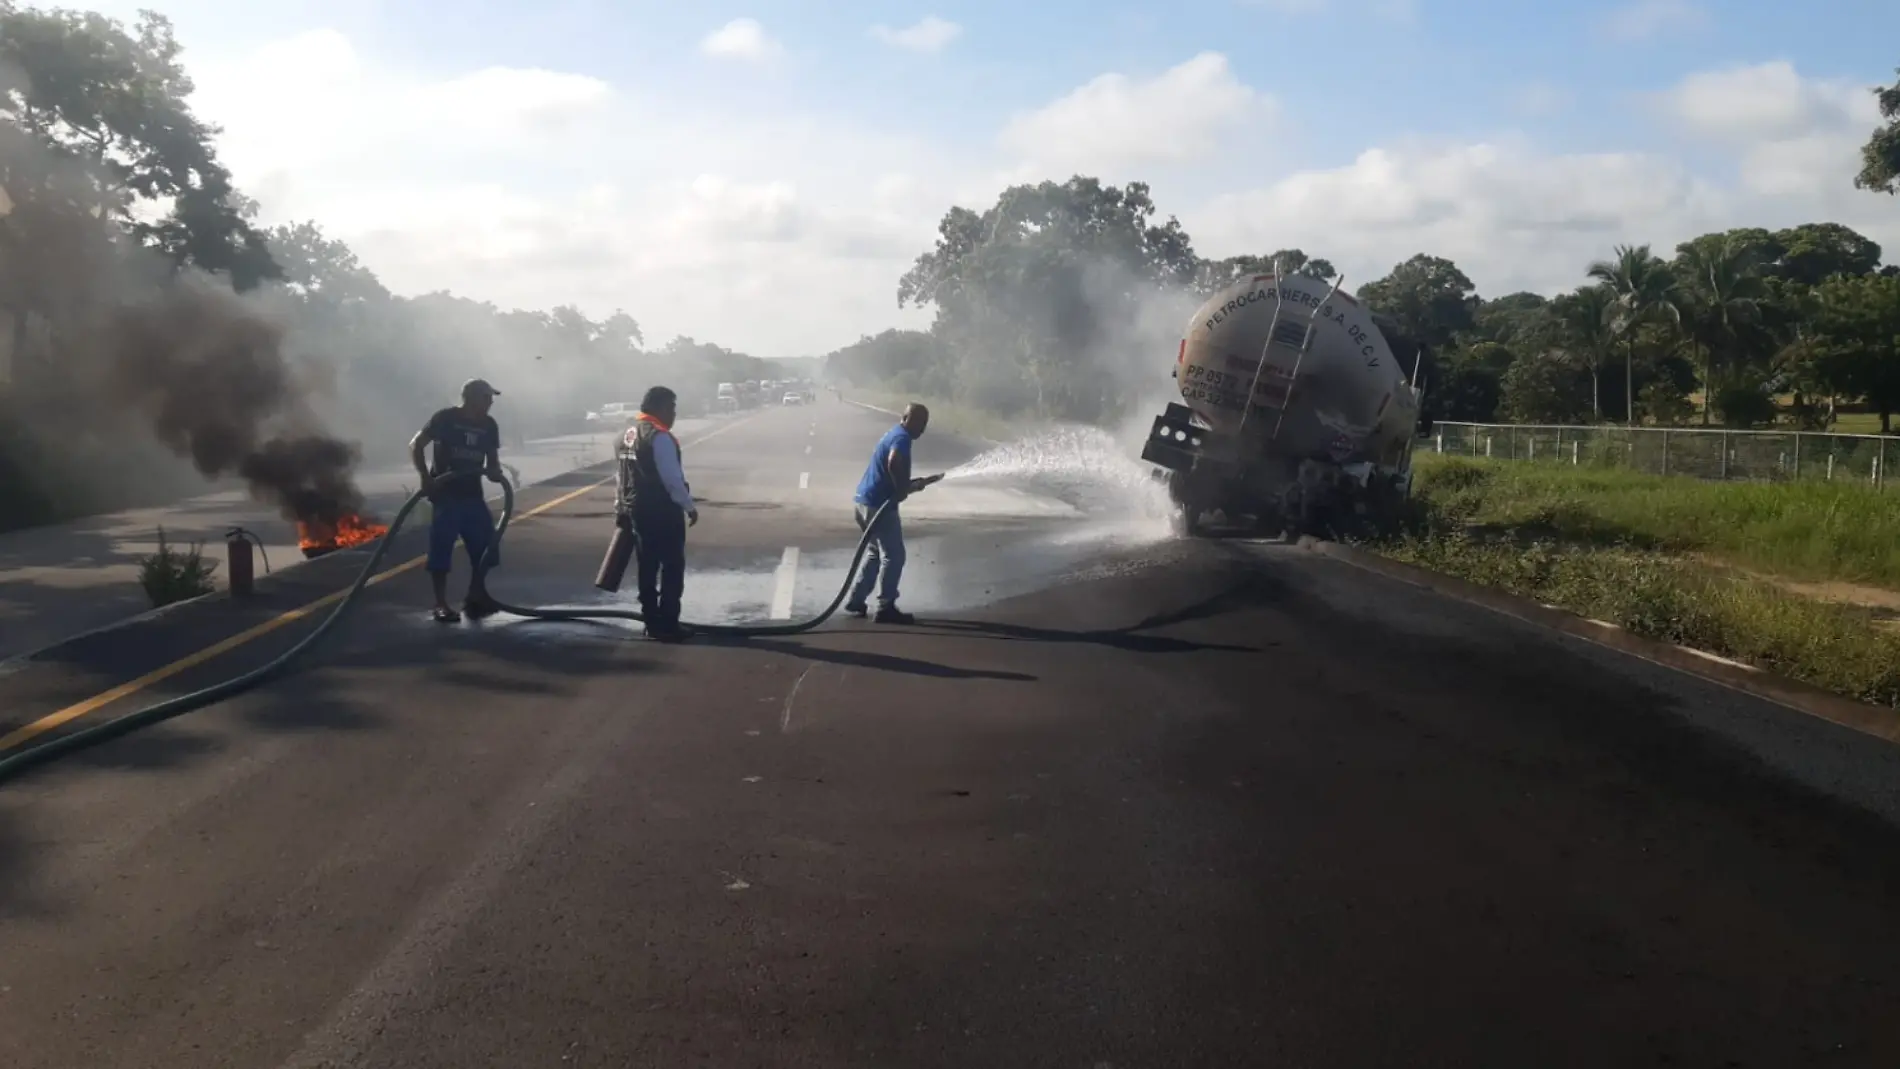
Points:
(1116, 801)
(62, 580)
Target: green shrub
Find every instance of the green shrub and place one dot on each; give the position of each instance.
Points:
(170, 575)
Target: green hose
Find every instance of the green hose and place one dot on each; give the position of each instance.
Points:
(790, 627)
(34, 756)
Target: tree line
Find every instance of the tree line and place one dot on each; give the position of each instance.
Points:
(1066, 301)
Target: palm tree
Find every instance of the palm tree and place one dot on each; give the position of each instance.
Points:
(1722, 284)
(1583, 321)
(1645, 291)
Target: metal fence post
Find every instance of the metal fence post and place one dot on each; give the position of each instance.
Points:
(1725, 455)
(1665, 460)
(1797, 454)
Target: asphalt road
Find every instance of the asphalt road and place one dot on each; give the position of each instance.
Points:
(62, 580)
(1115, 801)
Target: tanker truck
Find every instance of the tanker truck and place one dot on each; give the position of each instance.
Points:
(1297, 418)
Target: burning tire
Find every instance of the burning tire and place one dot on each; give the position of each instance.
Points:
(318, 538)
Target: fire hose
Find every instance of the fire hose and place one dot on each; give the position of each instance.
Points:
(118, 726)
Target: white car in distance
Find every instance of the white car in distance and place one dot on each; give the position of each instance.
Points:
(615, 413)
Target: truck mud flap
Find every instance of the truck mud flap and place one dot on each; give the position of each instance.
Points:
(1173, 441)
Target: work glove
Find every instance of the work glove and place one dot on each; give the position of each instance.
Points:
(692, 517)
(917, 485)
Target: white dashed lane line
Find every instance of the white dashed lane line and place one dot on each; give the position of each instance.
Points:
(787, 582)
(804, 480)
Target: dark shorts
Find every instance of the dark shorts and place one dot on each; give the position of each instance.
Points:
(467, 519)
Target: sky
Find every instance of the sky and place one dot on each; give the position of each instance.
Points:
(760, 174)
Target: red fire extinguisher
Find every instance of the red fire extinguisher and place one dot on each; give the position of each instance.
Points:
(237, 546)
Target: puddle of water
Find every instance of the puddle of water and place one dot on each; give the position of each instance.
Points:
(957, 572)
(712, 596)
(944, 573)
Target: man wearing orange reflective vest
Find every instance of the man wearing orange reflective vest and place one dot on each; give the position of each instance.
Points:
(661, 508)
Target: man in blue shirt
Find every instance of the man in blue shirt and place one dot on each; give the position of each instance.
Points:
(887, 478)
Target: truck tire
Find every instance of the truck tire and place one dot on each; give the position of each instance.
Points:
(1185, 520)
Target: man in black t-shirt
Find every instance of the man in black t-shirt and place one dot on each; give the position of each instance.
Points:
(467, 447)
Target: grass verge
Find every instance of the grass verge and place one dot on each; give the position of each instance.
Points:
(1842, 532)
(1605, 545)
(945, 416)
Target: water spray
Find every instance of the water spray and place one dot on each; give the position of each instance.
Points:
(1073, 461)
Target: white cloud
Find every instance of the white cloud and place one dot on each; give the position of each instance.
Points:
(740, 39)
(1510, 215)
(1116, 122)
(1517, 216)
(534, 188)
(1644, 20)
(931, 34)
(1792, 133)
(1768, 102)
(781, 232)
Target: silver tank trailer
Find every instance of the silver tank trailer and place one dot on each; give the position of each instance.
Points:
(1332, 417)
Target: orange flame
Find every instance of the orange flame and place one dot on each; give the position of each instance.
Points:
(351, 530)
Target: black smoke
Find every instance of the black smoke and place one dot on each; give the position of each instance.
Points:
(209, 375)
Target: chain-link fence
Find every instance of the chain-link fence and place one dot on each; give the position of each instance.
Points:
(1770, 456)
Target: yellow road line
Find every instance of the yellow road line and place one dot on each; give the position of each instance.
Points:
(158, 675)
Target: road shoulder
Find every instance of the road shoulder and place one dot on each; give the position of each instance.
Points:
(284, 606)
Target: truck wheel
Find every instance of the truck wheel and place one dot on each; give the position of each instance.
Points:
(1188, 507)
(1185, 522)
(1267, 525)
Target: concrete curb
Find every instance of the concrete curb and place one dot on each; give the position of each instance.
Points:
(1881, 723)
(20, 661)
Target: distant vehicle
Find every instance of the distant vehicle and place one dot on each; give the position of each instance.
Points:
(615, 412)
(792, 397)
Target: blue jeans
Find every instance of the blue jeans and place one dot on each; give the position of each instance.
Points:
(468, 519)
(885, 555)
